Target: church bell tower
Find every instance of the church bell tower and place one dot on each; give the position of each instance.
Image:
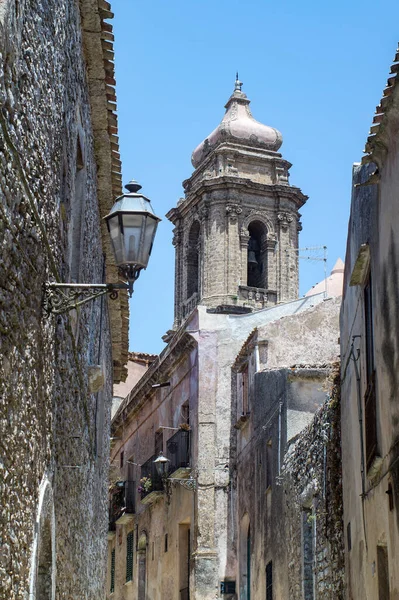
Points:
(236, 229)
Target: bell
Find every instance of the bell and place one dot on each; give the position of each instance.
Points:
(252, 258)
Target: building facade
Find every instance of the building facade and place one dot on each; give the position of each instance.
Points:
(60, 173)
(288, 539)
(245, 364)
(369, 351)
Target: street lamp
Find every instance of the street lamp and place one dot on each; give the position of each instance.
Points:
(132, 225)
(161, 465)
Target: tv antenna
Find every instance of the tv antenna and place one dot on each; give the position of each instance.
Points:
(312, 254)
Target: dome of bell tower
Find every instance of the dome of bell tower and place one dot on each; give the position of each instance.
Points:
(238, 126)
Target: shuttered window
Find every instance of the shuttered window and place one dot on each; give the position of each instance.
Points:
(112, 585)
(129, 556)
(370, 400)
(269, 581)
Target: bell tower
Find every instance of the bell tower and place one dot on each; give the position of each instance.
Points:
(236, 229)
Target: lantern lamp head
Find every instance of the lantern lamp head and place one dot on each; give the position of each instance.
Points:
(162, 465)
(132, 225)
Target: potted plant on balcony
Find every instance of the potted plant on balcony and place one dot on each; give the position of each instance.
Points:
(145, 485)
(185, 427)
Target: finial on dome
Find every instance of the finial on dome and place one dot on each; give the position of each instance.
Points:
(238, 84)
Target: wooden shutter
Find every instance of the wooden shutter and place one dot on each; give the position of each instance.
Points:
(129, 556)
(112, 585)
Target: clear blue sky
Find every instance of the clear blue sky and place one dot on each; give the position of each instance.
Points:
(314, 70)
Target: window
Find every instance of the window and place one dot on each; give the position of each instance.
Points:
(257, 256)
(383, 573)
(121, 459)
(185, 412)
(370, 407)
(192, 260)
(349, 536)
(249, 564)
(269, 581)
(245, 390)
(269, 464)
(112, 585)
(129, 556)
(307, 554)
(158, 442)
(166, 542)
(390, 496)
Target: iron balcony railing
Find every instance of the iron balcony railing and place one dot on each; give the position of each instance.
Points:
(178, 450)
(122, 501)
(150, 480)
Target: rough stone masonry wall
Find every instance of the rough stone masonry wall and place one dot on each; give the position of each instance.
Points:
(47, 415)
(312, 480)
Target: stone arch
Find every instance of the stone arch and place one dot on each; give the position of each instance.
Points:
(43, 565)
(257, 255)
(192, 259)
(258, 216)
(142, 565)
(245, 558)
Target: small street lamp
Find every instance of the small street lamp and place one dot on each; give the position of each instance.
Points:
(132, 225)
(161, 465)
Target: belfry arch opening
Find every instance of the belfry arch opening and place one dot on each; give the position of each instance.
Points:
(193, 260)
(257, 257)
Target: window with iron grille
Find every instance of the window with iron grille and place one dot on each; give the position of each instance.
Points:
(370, 401)
(112, 585)
(269, 581)
(129, 556)
(158, 442)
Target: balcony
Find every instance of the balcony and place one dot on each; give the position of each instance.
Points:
(178, 452)
(151, 485)
(121, 504)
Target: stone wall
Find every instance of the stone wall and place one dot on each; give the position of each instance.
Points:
(53, 427)
(312, 483)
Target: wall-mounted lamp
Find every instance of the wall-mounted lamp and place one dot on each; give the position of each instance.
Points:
(162, 466)
(132, 225)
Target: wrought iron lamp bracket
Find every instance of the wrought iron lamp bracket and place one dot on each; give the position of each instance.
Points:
(62, 297)
(188, 484)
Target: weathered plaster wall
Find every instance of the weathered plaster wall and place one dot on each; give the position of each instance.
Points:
(266, 494)
(53, 430)
(367, 513)
(312, 490)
